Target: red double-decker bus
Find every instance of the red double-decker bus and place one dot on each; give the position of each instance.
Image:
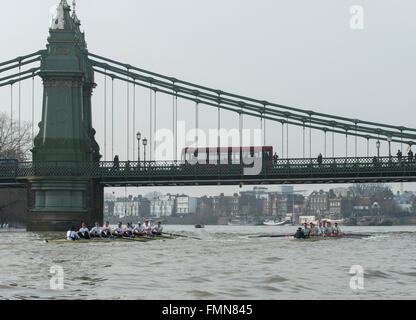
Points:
(227, 155)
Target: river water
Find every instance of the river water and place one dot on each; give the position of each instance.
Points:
(225, 264)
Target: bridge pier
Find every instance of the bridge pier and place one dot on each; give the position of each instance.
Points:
(58, 205)
(66, 137)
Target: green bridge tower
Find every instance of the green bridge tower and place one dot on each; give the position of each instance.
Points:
(66, 132)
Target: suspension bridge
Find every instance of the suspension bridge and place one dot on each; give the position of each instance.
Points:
(67, 174)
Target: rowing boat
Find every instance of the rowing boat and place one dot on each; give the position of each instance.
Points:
(106, 240)
(331, 237)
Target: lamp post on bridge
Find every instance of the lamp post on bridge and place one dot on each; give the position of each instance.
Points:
(389, 139)
(139, 137)
(144, 145)
(378, 148)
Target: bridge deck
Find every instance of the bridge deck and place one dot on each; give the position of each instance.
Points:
(285, 171)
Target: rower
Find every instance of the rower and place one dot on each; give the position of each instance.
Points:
(306, 231)
(147, 228)
(96, 231)
(139, 230)
(84, 233)
(324, 228)
(312, 229)
(158, 229)
(118, 232)
(337, 229)
(299, 234)
(317, 230)
(72, 235)
(330, 228)
(106, 230)
(127, 231)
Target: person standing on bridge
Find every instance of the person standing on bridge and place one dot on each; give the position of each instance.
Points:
(116, 162)
(410, 155)
(320, 159)
(275, 158)
(399, 156)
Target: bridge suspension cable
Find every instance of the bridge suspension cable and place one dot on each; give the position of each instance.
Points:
(105, 116)
(250, 109)
(128, 117)
(22, 58)
(316, 120)
(112, 118)
(154, 126)
(247, 111)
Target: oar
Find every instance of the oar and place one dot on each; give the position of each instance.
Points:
(271, 236)
(180, 235)
(356, 235)
(133, 239)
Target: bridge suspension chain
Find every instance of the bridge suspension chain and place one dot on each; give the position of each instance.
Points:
(252, 107)
(316, 114)
(269, 117)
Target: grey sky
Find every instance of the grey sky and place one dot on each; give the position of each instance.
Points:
(300, 53)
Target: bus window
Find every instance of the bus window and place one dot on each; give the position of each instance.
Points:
(213, 156)
(224, 157)
(267, 155)
(235, 156)
(202, 156)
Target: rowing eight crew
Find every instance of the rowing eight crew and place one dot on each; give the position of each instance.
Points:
(106, 231)
(322, 229)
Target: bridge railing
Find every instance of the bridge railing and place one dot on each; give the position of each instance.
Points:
(149, 169)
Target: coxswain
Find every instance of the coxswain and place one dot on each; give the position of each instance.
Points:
(96, 231)
(139, 230)
(84, 233)
(158, 229)
(299, 234)
(72, 235)
(106, 230)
